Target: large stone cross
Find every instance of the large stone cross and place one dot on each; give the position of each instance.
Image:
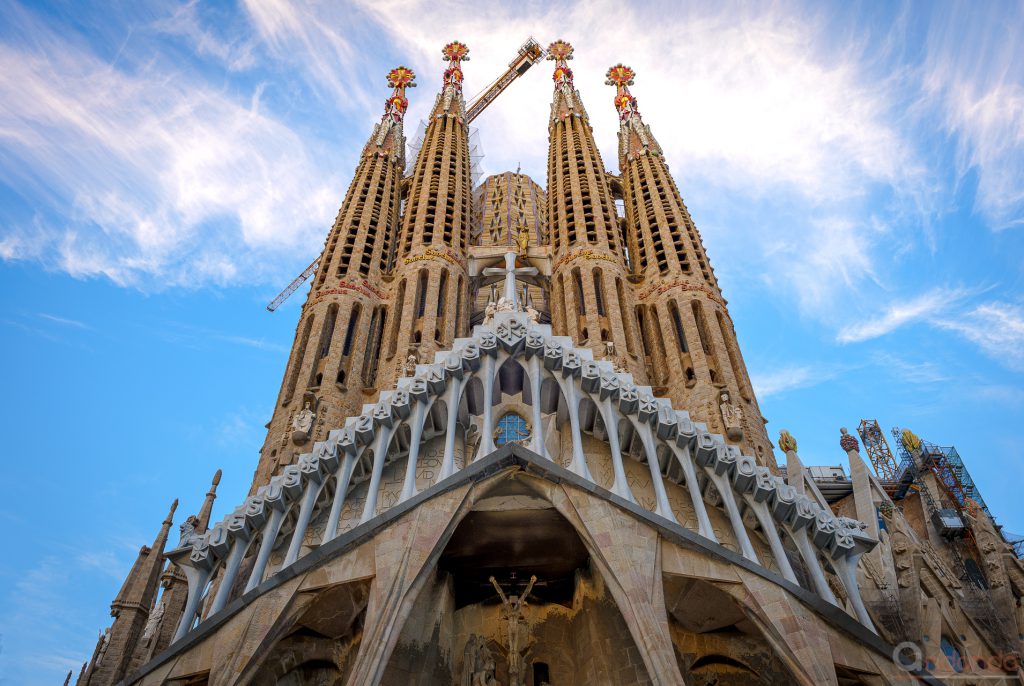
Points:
(510, 272)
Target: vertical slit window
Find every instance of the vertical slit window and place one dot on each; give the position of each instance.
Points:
(399, 302)
(421, 294)
(598, 293)
(372, 359)
(298, 354)
(581, 305)
(677, 322)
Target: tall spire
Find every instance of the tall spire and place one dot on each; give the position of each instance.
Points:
(336, 352)
(207, 508)
(430, 262)
(591, 299)
(689, 343)
(634, 136)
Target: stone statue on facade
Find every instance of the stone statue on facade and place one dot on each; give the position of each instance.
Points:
(523, 240)
(104, 644)
(302, 424)
(532, 314)
(478, 665)
(512, 613)
(153, 624)
(732, 416)
(409, 369)
(489, 311)
(609, 350)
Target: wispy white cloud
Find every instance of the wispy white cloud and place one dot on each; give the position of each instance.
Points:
(907, 371)
(900, 313)
(779, 380)
(995, 327)
(974, 72)
(64, 321)
(169, 181)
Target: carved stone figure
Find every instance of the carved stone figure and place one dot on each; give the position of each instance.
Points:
(153, 623)
(104, 644)
(504, 305)
(302, 424)
(523, 240)
(512, 613)
(489, 312)
(533, 314)
(409, 369)
(478, 664)
(609, 349)
(188, 531)
(732, 416)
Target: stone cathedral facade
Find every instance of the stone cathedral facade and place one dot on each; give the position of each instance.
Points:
(516, 443)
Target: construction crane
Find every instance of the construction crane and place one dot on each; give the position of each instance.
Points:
(529, 54)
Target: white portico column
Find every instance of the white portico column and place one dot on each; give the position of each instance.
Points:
(536, 380)
(380, 449)
(704, 527)
(419, 415)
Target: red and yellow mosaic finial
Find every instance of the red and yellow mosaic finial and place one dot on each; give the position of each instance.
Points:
(455, 52)
(621, 77)
(399, 78)
(560, 51)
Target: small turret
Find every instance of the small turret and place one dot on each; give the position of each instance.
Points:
(130, 609)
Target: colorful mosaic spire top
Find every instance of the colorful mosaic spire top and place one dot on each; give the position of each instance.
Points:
(561, 52)
(399, 79)
(454, 53)
(621, 77)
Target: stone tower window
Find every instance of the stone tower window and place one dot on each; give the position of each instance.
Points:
(598, 293)
(300, 353)
(399, 303)
(511, 429)
(421, 294)
(627, 329)
(677, 322)
(373, 343)
(346, 347)
(581, 304)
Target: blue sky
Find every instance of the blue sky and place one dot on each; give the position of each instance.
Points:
(856, 170)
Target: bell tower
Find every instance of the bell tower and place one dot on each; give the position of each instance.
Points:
(590, 301)
(430, 269)
(687, 337)
(335, 359)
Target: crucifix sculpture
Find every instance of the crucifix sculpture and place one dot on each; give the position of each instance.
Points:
(510, 271)
(513, 614)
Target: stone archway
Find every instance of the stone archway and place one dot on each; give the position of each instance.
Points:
(571, 628)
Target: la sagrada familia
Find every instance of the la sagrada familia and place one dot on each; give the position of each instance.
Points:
(516, 443)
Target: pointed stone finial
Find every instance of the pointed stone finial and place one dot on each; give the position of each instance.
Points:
(170, 515)
(786, 442)
(564, 103)
(207, 508)
(848, 442)
(622, 77)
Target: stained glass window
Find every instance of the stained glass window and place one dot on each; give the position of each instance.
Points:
(956, 660)
(511, 429)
